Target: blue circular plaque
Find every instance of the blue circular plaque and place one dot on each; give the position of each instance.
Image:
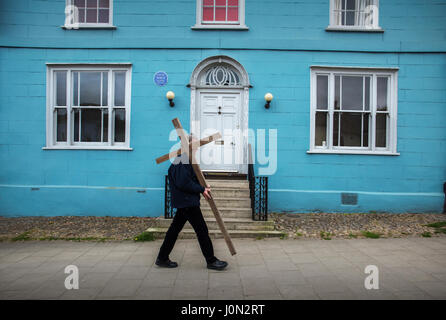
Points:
(160, 78)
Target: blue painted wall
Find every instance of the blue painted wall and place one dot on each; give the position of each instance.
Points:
(284, 40)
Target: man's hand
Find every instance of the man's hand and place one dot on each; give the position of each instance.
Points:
(207, 193)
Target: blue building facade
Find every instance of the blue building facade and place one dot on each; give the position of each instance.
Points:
(357, 122)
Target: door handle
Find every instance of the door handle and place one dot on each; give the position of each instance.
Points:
(219, 110)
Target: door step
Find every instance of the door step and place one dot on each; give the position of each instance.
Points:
(216, 234)
(227, 202)
(211, 175)
(230, 223)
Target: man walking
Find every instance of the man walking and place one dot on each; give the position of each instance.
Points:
(185, 191)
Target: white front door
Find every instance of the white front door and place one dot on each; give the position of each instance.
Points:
(220, 112)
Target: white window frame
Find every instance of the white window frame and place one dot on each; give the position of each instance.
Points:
(88, 25)
(239, 25)
(367, 28)
(391, 146)
(51, 131)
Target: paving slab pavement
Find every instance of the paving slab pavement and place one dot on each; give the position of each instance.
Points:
(409, 268)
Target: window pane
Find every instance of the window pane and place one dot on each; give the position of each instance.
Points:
(351, 129)
(90, 88)
(381, 130)
(92, 3)
(232, 2)
(321, 129)
(104, 88)
(61, 115)
(367, 93)
(365, 129)
(81, 13)
(350, 18)
(382, 93)
(208, 14)
(351, 4)
(233, 14)
(336, 120)
(119, 125)
(79, 3)
(322, 92)
(103, 15)
(61, 88)
(352, 93)
(91, 125)
(92, 15)
(220, 14)
(76, 125)
(105, 125)
(337, 102)
(119, 89)
(220, 2)
(104, 3)
(75, 88)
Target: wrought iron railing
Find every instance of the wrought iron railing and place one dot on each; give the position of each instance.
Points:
(258, 190)
(169, 211)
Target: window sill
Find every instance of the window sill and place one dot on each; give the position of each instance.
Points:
(353, 29)
(374, 153)
(220, 27)
(110, 27)
(88, 148)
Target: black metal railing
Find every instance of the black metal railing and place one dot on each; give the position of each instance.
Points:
(258, 191)
(169, 211)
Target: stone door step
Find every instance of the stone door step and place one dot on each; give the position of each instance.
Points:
(230, 223)
(228, 212)
(216, 234)
(228, 203)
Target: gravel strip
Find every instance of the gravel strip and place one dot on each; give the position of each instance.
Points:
(297, 225)
(353, 225)
(74, 227)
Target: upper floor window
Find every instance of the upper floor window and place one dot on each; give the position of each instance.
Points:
(88, 13)
(356, 15)
(220, 14)
(353, 110)
(88, 107)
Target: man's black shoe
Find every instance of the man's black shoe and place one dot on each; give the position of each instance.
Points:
(166, 264)
(217, 265)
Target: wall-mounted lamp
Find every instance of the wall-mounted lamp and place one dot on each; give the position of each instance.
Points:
(170, 95)
(268, 99)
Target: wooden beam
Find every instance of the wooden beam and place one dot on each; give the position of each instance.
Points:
(177, 153)
(202, 180)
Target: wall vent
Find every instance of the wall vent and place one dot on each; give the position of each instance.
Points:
(350, 199)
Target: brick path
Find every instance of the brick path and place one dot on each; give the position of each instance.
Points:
(411, 268)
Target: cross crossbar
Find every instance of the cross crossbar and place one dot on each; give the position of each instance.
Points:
(178, 152)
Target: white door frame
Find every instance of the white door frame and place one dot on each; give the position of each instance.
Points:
(242, 87)
(238, 139)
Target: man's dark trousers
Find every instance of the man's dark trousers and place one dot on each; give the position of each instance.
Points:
(195, 218)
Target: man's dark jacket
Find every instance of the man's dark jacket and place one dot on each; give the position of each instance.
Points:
(184, 186)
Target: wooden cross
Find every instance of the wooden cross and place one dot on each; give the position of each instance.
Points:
(190, 149)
